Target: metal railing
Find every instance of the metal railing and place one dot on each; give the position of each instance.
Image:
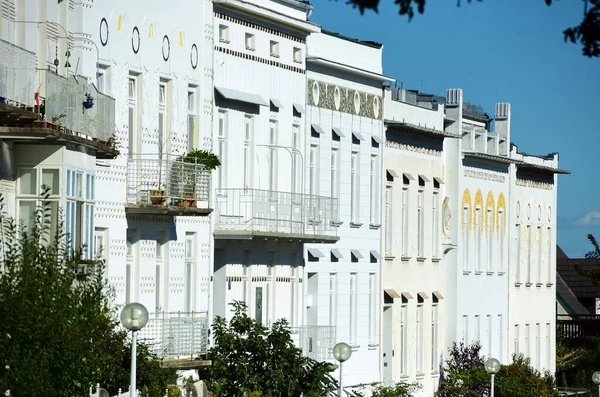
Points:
(316, 341)
(17, 74)
(570, 391)
(167, 182)
(255, 210)
(577, 327)
(63, 100)
(176, 334)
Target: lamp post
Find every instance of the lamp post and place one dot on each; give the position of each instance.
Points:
(341, 352)
(596, 379)
(134, 317)
(492, 366)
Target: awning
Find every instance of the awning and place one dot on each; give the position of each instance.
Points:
(338, 131)
(437, 295)
(316, 253)
(407, 295)
(392, 173)
(408, 176)
(377, 139)
(439, 180)
(318, 129)
(240, 96)
(424, 178)
(423, 295)
(375, 254)
(356, 254)
(336, 252)
(358, 136)
(392, 293)
(276, 103)
(299, 108)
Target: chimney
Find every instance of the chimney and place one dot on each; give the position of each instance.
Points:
(454, 105)
(502, 127)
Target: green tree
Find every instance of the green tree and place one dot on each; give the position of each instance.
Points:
(400, 389)
(587, 33)
(58, 333)
(249, 359)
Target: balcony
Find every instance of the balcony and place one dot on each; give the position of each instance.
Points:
(577, 328)
(176, 335)
(167, 187)
(266, 214)
(315, 341)
(45, 107)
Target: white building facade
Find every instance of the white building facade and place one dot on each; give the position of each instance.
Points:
(344, 147)
(413, 239)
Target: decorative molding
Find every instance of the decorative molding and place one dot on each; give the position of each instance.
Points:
(412, 148)
(327, 100)
(488, 176)
(255, 58)
(534, 184)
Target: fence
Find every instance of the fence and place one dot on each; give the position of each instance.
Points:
(17, 74)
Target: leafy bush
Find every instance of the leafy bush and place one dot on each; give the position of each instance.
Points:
(400, 389)
(208, 159)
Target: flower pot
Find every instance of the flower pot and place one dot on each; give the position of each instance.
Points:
(189, 200)
(87, 104)
(157, 197)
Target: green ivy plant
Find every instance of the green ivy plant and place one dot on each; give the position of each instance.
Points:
(208, 159)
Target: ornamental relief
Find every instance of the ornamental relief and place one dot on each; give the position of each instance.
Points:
(412, 148)
(346, 100)
(488, 176)
(534, 184)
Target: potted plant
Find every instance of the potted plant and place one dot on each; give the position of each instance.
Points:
(158, 196)
(89, 101)
(187, 174)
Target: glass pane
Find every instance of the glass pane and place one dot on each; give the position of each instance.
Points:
(79, 184)
(190, 101)
(161, 94)
(191, 128)
(132, 88)
(50, 218)
(26, 214)
(27, 181)
(50, 179)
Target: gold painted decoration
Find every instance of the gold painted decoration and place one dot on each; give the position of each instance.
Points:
(489, 204)
(120, 22)
(466, 203)
(501, 207)
(180, 39)
(151, 31)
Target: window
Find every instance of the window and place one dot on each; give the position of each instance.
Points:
(222, 148)
(132, 127)
(192, 119)
(404, 221)
(527, 344)
(528, 256)
(488, 335)
(478, 239)
(420, 340)
(101, 244)
(434, 334)
(466, 238)
(435, 227)
(516, 340)
(420, 224)
(501, 237)
(248, 151)
(190, 264)
(538, 347)
(518, 252)
(550, 273)
(160, 251)
(404, 338)
(104, 79)
(79, 217)
(548, 347)
(477, 324)
(295, 156)
(372, 310)
(335, 172)
(250, 41)
(490, 239)
(30, 188)
(272, 157)
(539, 255)
(374, 184)
(297, 55)
(274, 49)
(389, 221)
(314, 169)
(500, 332)
(354, 187)
(131, 262)
(353, 298)
(465, 336)
(224, 33)
(332, 299)
(246, 276)
(162, 117)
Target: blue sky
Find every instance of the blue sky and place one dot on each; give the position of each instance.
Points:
(502, 51)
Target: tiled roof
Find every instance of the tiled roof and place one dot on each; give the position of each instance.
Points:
(567, 297)
(581, 285)
(491, 157)
(418, 129)
(543, 168)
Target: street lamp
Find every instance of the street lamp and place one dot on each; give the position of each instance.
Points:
(341, 352)
(492, 366)
(596, 379)
(134, 317)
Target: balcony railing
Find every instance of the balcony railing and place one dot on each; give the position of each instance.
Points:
(577, 327)
(176, 335)
(167, 183)
(272, 213)
(316, 341)
(17, 74)
(63, 100)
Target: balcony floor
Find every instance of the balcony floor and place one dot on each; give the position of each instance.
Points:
(167, 210)
(275, 236)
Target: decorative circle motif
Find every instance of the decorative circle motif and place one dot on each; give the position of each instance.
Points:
(194, 56)
(376, 107)
(528, 211)
(103, 32)
(518, 209)
(135, 40)
(539, 212)
(315, 90)
(356, 102)
(337, 98)
(166, 48)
